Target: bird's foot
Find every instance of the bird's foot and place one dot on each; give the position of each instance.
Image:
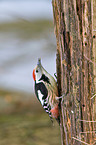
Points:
(55, 75)
(57, 98)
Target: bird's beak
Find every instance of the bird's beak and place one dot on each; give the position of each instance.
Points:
(39, 62)
(34, 74)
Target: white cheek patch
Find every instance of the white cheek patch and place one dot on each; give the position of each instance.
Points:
(40, 97)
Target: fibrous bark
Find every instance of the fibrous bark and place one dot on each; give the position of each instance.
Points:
(75, 67)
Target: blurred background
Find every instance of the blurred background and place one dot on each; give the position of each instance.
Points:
(26, 34)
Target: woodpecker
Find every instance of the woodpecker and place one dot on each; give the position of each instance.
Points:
(46, 91)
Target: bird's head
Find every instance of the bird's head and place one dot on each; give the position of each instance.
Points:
(37, 72)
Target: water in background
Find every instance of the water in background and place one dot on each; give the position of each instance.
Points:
(26, 33)
(25, 9)
(19, 47)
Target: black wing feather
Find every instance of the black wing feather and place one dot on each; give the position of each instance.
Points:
(42, 88)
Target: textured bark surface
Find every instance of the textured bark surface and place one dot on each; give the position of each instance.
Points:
(75, 70)
(94, 59)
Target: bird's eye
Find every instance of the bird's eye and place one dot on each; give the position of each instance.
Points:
(36, 71)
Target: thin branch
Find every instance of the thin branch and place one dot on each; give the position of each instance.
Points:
(93, 96)
(80, 141)
(94, 143)
(89, 131)
(88, 59)
(87, 121)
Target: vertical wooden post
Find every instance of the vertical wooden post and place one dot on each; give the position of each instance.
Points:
(94, 59)
(73, 30)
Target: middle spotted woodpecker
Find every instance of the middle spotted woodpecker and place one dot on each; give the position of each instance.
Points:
(46, 91)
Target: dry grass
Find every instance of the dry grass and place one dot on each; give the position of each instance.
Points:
(28, 30)
(23, 121)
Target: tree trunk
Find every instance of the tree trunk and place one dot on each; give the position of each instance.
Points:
(75, 67)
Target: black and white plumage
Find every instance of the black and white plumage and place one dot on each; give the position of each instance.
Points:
(46, 91)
